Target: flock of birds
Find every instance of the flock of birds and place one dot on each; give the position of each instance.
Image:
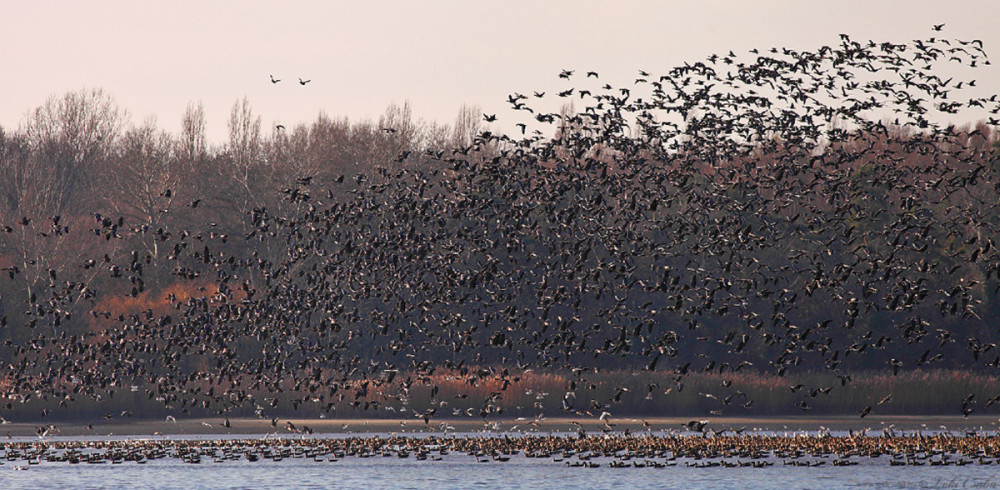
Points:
(731, 451)
(794, 209)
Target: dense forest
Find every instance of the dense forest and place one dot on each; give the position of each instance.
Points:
(738, 223)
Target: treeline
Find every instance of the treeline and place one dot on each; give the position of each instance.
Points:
(77, 160)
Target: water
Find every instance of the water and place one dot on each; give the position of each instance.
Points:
(462, 471)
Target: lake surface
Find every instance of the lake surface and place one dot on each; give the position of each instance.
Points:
(462, 471)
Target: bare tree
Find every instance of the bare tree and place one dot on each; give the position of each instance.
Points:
(396, 133)
(244, 151)
(328, 142)
(193, 146)
(70, 135)
(290, 152)
(433, 136)
(467, 125)
(144, 178)
(244, 135)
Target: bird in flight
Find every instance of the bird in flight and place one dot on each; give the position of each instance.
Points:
(274, 80)
(938, 27)
(303, 82)
(490, 117)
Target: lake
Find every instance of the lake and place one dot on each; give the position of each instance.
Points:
(461, 471)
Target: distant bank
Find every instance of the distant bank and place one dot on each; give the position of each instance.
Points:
(511, 426)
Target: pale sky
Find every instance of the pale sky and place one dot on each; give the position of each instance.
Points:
(156, 57)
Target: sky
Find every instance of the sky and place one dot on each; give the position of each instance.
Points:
(156, 57)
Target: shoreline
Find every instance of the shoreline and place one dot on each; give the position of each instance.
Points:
(637, 425)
